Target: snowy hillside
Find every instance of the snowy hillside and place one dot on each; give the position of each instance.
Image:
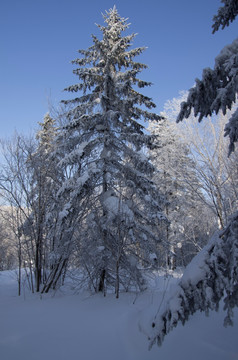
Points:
(71, 326)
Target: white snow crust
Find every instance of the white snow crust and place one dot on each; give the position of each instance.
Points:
(61, 326)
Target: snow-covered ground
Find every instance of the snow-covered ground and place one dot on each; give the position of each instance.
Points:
(64, 326)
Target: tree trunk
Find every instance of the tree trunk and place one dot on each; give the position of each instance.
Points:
(19, 267)
(117, 280)
(101, 285)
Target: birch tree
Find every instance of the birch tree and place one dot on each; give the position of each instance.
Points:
(27, 179)
(176, 177)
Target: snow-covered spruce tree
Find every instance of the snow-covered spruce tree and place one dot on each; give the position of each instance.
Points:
(41, 166)
(57, 229)
(66, 208)
(218, 88)
(117, 202)
(210, 278)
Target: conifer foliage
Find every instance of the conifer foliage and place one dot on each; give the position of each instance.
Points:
(226, 14)
(110, 180)
(211, 276)
(218, 88)
(216, 91)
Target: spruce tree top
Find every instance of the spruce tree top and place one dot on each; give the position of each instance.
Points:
(110, 176)
(108, 80)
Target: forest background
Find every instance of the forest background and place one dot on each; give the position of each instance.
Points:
(94, 191)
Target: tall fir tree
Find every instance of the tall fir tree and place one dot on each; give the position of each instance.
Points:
(110, 180)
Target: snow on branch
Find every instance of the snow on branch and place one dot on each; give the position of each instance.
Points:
(225, 15)
(231, 129)
(211, 275)
(216, 91)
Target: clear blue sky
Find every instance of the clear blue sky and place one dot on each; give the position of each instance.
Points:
(39, 38)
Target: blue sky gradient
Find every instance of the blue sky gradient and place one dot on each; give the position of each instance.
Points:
(40, 38)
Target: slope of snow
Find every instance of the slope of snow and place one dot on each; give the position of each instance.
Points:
(71, 326)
